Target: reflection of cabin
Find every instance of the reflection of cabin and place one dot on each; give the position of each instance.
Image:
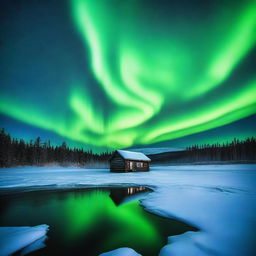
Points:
(120, 195)
(128, 161)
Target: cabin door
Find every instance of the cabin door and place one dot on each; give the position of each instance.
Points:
(131, 165)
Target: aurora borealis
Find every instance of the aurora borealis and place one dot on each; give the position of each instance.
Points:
(114, 74)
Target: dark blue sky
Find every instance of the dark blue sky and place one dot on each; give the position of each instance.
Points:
(118, 75)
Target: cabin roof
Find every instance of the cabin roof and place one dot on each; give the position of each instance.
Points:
(129, 155)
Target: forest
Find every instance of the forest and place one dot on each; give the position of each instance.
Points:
(229, 151)
(236, 151)
(17, 152)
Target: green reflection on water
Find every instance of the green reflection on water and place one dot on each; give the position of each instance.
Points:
(90, 221)
(87, 212)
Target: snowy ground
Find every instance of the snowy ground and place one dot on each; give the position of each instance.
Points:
(29, 239)
(220, 200)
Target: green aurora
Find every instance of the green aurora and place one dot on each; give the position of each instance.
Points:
(159, 73)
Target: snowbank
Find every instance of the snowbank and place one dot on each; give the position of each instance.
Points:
(121, 252)
(220, 200)
(13, 239)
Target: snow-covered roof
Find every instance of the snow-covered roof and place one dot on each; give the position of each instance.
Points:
(133, 155)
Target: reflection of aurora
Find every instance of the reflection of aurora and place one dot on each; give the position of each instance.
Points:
(91, 221)
(90, 211)
(162, 74)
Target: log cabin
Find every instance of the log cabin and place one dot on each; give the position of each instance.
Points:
(128, 161)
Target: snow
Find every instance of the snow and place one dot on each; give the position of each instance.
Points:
(151, 151)
(13, 239)
(220, 200)
(121, 252)
(37, 245)
(133, 155)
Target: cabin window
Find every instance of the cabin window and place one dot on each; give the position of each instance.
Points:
(139, 164)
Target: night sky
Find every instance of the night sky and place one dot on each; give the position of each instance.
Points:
(113, 74)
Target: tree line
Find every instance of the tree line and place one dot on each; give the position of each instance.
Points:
(17, 152)
(235, 150)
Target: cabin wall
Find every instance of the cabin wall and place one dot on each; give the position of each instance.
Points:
(117, 164)
(136, 166)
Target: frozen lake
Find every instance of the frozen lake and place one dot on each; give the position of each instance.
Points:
(90, 221)
(218, 199)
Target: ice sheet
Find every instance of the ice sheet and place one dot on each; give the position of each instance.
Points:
(13, 239)
(220, 200)
(121, 252)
